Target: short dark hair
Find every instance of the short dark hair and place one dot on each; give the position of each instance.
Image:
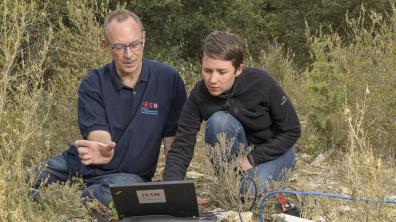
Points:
(224, 45)
(121, 15)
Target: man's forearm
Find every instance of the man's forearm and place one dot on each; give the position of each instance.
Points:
(167, 143)
(99, 136)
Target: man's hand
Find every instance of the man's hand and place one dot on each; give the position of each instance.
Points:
(92, 152)
(245, 164)
(202, 201)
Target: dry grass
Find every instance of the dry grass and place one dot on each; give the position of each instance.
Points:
(223, 174)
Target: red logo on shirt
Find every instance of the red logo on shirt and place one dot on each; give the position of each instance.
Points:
(150, 105)
(149, 108)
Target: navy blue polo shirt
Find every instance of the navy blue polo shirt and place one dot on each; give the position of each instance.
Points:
(137, 119)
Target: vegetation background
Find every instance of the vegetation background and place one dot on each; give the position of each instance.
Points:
(336, 60)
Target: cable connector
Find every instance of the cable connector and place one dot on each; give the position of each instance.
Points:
(286, 206)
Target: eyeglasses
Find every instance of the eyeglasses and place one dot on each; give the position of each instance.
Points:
(134, 46)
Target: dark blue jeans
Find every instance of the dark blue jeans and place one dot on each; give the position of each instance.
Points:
(264, 173)
(98, 187)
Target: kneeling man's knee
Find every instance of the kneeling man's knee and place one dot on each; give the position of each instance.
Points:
(222, 122)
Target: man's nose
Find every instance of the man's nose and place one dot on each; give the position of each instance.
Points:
(128, 52)
(213, 78)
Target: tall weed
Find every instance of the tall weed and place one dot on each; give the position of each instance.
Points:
(342, 71)
(365, 174)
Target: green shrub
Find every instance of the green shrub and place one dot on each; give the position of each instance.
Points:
(76, 49)
(340, 73)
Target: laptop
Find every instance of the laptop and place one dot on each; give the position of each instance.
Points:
(174, 198)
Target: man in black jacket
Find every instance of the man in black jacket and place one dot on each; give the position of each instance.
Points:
(244, 103)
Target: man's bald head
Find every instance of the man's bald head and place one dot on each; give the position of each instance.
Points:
(121, 15)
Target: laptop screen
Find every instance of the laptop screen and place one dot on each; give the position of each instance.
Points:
(175, 198)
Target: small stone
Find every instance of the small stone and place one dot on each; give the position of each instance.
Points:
(318, 160)
(390, 197)
(305, 156)
(194, 175)
(294, 177)
(318, 218)
(232, 216)
(342, 210)
(287, 218)
(345, 191)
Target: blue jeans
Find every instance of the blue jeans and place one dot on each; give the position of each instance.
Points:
(98, 187)
(223, 122)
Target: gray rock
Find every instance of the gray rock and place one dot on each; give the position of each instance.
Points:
(232, 216)
(318, 160)
(287, 218)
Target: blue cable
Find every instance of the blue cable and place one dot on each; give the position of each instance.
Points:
(316, 194)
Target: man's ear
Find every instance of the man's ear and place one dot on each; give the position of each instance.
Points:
(106, 43)
(144, 38)
(239, 70)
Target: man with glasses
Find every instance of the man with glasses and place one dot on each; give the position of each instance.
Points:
(125, 109)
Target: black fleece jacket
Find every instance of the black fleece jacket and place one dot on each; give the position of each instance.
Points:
(257, 101)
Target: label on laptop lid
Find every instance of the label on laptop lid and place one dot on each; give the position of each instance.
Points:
(151, 196)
